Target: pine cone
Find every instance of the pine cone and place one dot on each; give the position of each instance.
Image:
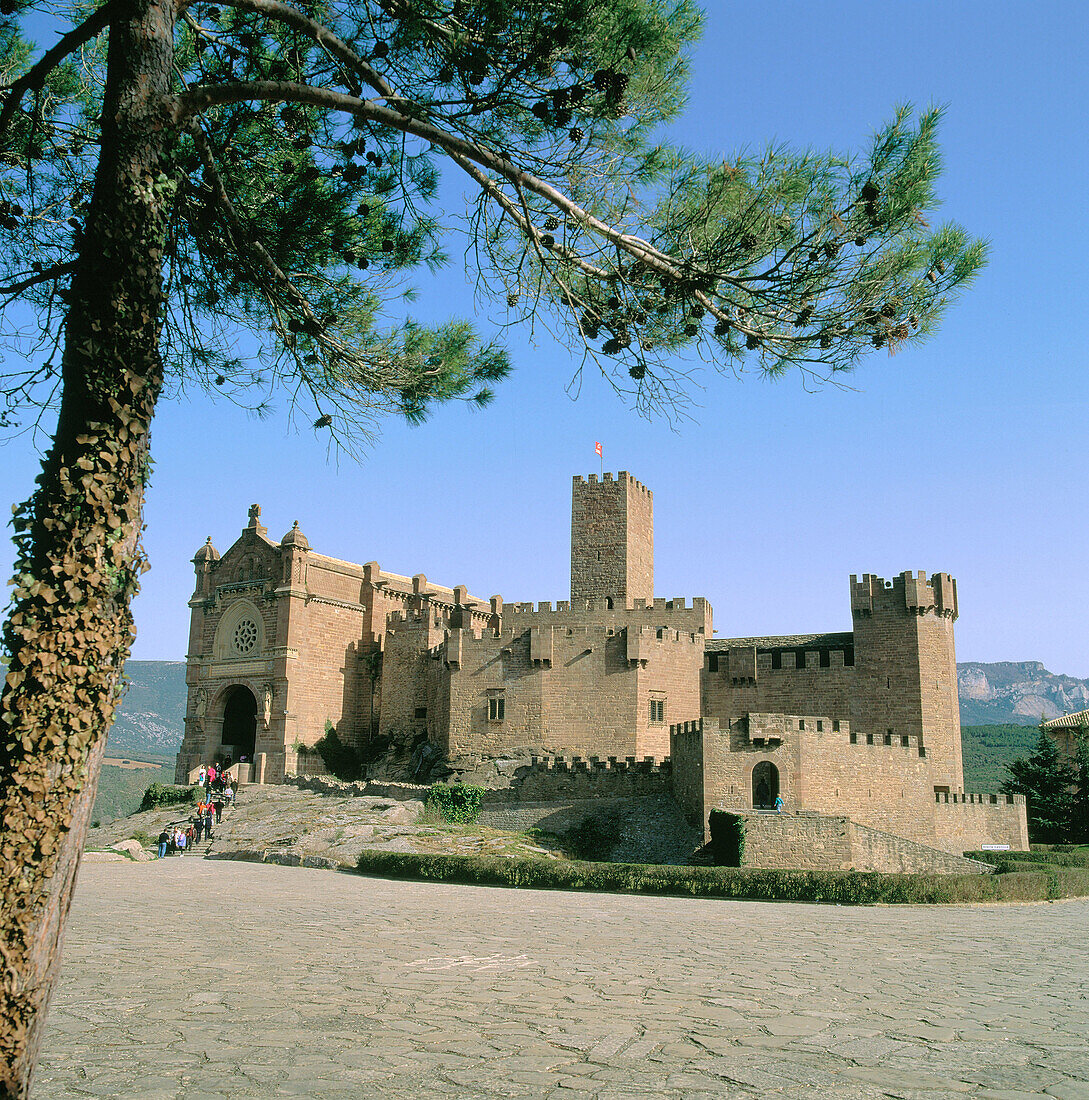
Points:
(576, 133)
(551, 223)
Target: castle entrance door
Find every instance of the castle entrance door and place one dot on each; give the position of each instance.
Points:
(765, 785)
(239, 724)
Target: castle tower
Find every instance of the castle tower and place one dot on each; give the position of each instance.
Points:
(612, 538)
(906, 667)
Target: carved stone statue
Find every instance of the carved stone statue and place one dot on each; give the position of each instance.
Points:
(268, 704)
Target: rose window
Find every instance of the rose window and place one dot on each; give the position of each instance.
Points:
(245, 636)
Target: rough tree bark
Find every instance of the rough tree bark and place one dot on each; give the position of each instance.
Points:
(79, 561)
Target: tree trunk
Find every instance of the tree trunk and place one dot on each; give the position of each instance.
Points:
(78, 537)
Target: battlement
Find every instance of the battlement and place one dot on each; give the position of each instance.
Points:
(622, 478)
(697, 725)
(604, 603)
(910, 592)
(414, 618)
(771, 729)
(946, 798)
(646, 765)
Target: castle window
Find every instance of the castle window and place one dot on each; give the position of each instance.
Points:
(820, 725)
(496, 707)
(245, 636)
(421, 714)
(826, 659)
(776, 660)
(657, 710)
(835, 725)
(869, 738)
(712, 662)
(888, 737)
(904, 740)
(801, 723)
(854, 738)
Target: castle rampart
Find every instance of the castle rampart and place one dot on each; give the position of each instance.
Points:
(861, 724)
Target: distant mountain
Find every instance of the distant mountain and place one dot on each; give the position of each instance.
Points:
(1016, 693)
(151, 716)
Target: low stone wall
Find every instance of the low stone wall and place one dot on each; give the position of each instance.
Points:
(966, 822)
(326, 784)
(649, 829)
(816, 842)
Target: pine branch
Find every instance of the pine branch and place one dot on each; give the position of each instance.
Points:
(72, 41)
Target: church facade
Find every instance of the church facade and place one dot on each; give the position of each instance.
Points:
(286, 643)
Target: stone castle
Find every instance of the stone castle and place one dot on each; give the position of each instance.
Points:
(861, 726)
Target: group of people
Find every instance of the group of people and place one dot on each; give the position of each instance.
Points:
(217, 796)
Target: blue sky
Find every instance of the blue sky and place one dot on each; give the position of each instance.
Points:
(966, 456)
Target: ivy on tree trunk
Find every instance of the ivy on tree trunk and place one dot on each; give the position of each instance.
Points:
(78, 537)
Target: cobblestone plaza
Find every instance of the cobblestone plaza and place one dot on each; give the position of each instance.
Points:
(187, 978)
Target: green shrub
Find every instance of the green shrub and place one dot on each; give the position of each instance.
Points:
(727, 838)
(341, 760)
(842, 887)
(456, 802)
(166, 794)
(1068, 857)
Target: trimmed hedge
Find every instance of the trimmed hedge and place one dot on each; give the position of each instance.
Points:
(840, 888)
(166, 794)
(1074, 858)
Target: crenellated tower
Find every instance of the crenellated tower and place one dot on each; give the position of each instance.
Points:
(612, 538)
(907, 667)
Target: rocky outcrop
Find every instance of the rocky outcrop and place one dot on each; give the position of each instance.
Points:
(1016, 692)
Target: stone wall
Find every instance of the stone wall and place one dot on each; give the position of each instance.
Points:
(826, 767)
(809, 841)
(964, 823)
(577, 690)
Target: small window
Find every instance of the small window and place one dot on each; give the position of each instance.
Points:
(888, 737)
(820, 726)
(904, 740)
(854, 737)
(421, 714)
(869, 738)
(835, 725)
(496, 708)
(826, 659)
(776, 660)
(801, 723)
(657, 710)
(712, 662)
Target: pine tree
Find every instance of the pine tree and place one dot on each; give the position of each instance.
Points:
(1079, 809)
(1046, 780)
(171, 173)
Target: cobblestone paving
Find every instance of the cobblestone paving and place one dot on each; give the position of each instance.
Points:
(191, 979)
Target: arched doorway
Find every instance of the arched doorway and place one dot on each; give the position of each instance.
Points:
(239, 736)
(765, 785)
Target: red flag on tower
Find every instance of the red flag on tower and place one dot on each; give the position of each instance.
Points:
(597, 449)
